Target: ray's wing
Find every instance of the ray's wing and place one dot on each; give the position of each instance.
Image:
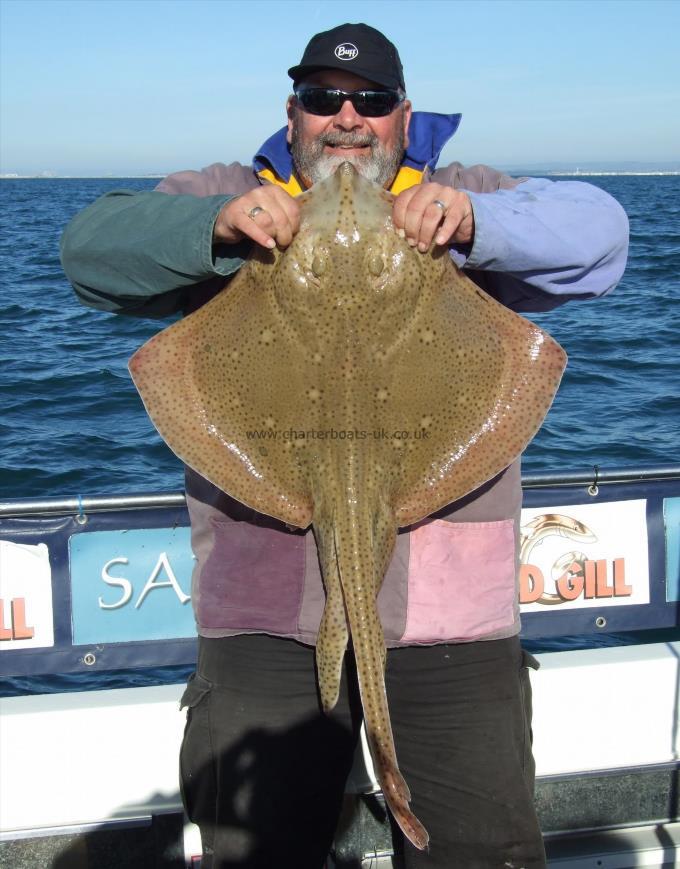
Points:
(221, 386)
(475, 381)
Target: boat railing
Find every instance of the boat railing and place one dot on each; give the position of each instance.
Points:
(78, 504)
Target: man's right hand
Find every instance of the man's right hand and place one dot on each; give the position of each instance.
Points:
(276, 224)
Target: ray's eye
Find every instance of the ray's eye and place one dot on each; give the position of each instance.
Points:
(319, 264)
(375, 264)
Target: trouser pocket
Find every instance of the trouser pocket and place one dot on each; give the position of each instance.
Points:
(196, 761)
(527, 663)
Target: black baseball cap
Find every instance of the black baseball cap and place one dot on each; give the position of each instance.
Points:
(356, 48)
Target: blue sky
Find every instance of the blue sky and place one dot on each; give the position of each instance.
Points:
(140, 86)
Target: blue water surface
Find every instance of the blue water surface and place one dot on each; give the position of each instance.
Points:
(72, 422)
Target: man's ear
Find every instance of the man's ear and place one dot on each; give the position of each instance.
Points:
(290, 113)
(407, 120)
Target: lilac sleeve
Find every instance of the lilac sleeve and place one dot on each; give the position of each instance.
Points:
(544, 242)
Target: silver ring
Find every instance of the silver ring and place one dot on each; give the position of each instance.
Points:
(252, 214)
(441, 205)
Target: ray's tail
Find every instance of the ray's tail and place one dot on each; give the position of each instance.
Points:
(331, 642)
(357, 557)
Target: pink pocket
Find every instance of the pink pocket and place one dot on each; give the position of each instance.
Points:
(461, 581)
(252, 580)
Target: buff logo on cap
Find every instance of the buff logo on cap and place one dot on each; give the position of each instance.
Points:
(346, 51)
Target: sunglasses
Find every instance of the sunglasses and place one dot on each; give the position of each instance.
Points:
(328, 101)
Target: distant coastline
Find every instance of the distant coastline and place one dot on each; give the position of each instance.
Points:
(52, 176)
(595, 167)
(592, 172)
(562, 169)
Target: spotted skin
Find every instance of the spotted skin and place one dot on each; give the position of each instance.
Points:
(385, 385)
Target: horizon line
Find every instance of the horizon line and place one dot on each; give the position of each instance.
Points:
(53, 176)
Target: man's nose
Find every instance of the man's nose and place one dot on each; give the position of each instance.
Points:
(348, 118)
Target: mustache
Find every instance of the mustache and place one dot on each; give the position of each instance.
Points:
(348, 140)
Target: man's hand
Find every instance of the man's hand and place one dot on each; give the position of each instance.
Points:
(419, 219)
(276, 223)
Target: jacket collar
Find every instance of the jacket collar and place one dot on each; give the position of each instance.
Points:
(428, 133)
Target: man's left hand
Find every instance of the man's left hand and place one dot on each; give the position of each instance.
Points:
(418, 217)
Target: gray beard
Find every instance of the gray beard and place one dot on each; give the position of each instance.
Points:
(380, 165)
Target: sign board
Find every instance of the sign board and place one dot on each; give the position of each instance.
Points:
(583, 556)
(26, 617)
(671, 515)
(131, 585)
(113, 592)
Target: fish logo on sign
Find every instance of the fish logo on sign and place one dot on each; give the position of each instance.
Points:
(593, 574)
(346, 51)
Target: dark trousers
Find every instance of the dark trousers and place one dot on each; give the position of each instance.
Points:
(263, 770)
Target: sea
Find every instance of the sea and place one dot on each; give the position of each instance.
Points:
(73, 424)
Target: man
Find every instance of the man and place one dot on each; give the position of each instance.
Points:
(263, 771)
